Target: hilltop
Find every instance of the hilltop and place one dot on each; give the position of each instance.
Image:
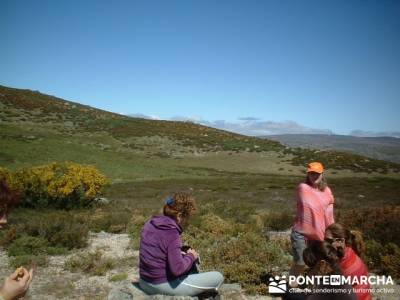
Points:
(38, 128)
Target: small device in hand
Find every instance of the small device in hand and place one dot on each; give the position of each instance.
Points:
(185, 248)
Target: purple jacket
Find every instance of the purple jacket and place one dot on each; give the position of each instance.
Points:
(160, 254)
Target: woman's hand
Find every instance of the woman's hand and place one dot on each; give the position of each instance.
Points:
(16, 285)
(193, 252)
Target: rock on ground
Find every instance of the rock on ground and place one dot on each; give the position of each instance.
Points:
(127, 291)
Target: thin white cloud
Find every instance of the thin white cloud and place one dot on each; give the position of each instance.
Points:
(261, 128)
(249, 119)
(142, 116)
(194, 119)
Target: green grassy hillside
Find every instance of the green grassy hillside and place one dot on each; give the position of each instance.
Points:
(37, 129)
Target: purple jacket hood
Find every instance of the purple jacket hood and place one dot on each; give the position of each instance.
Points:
(165, 223)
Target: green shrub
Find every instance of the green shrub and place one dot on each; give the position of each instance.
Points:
(66, 233)
(278, 221)
(56, 251)
(135, 228)
(8, 235)
(391, 260)
(215, 225)
(29, 261)
(92, 263)
(110, 220)
(373, 254)
(380, 223)
(60, 229)
(51, 232)
(27, 245)
(239, 251)
(384, 259)
(238, 211)
(118, 277)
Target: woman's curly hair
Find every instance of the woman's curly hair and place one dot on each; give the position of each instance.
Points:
(353, 238)
(180, 203)
(320, 250)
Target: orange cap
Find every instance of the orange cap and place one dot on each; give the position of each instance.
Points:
(315, 167)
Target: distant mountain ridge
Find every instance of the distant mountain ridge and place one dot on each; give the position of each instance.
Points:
(362, 133)
(384, 148)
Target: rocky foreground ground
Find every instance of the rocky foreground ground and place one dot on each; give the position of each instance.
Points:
(56, 282)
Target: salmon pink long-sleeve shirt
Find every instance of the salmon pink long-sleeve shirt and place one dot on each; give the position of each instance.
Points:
(314, 211)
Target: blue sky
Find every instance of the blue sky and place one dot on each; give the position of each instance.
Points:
(331, 65)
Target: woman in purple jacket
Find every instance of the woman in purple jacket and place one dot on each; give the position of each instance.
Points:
(164, 267)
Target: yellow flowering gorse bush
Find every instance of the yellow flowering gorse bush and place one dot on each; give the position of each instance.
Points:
(62, 185)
